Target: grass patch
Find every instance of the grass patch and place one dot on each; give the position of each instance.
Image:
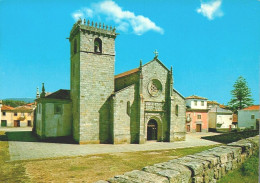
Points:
(232, 137)
(10, 171)
(78, 168)
(89, 168)
(248, 172)
(96, 167)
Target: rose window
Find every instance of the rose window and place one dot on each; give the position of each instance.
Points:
(154, 87)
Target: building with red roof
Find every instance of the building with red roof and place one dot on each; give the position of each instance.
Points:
(20, 116)
(249, 117)
(196, 114)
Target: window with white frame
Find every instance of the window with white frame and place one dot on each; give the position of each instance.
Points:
(195, 102)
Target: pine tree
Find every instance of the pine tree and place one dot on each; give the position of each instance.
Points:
(241, 95)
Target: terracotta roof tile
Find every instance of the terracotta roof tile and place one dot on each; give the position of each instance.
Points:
(212, 102)
(127, 73)
(23, 109)
(196, 97)
(253, 107)
(222, 106)
(30, 104)
(6, 108)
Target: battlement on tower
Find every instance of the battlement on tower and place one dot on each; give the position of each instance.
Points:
(93, 28)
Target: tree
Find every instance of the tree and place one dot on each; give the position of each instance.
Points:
(241, 95)
(13, 103)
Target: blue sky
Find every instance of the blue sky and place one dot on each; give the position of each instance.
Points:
(209, 44)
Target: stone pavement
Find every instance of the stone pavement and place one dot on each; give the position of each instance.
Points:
(23, 150)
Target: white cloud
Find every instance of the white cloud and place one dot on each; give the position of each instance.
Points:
(124, 20)
(78, 14)
(211, 9)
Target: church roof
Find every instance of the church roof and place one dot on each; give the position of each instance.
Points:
(60, 94)
(157, 60)
(178, 93)
(127, 73)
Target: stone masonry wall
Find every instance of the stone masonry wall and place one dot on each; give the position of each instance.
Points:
(154, 70)
(207, 166)
(122, 121)
(177, 126)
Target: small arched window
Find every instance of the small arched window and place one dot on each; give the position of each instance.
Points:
(75, 46)
(98, 45)
(176, 110)
(128, 108)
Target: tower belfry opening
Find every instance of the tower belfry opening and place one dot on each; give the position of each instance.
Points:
(98, 45)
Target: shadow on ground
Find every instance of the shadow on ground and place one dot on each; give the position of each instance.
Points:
(232, 137)
(28, 136)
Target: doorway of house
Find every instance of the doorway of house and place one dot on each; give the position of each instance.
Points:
(16, 123)
(198, 127)
(3, 123)
(152, 130)
(188, 128)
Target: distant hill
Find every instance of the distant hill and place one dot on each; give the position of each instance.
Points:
(27, 100)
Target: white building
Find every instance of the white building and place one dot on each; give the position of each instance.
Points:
(196, 102)
(219, 118)
(249, 117)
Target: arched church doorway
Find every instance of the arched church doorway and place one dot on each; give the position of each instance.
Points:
(152, 129)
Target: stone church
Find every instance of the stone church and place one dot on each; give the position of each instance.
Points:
(131, 107)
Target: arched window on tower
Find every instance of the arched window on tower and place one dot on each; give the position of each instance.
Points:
(98, 45)
(75, 46)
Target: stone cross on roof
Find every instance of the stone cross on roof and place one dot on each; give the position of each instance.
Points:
(155, 53)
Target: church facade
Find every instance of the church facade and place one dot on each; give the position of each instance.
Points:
(131, 107)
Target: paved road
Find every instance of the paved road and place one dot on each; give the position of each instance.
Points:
(24, 150)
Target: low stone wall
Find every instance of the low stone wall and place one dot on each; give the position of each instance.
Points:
(207, 166)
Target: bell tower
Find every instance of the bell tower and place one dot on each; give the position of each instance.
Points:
(92, 80)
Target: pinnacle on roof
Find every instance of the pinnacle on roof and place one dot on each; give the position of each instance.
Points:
(94, 27)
